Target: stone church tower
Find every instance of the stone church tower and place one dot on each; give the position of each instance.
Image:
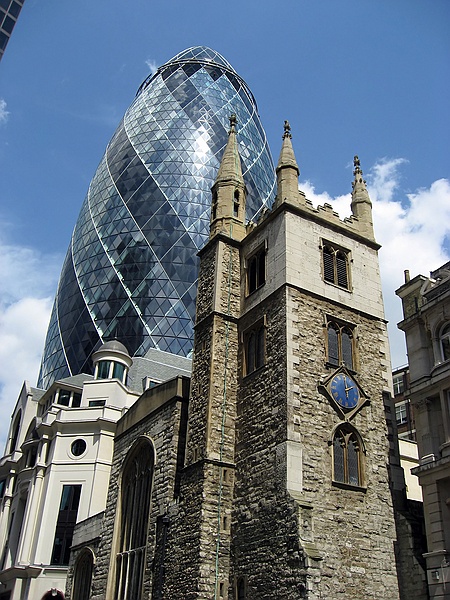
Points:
(269, 480)
(285, 492)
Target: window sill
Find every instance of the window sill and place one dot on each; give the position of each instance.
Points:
(334, 366)
(339, 287)
(248, 294)
(349, 486)
(248, 375)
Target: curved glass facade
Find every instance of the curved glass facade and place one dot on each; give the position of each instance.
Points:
(131, 269)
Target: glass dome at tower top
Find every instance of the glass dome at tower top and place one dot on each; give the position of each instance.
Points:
(201, 55)
(130, 272)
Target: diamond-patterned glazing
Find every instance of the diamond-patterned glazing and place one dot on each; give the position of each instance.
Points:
(131, 269)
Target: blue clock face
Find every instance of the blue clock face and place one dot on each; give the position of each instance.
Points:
(344, 391)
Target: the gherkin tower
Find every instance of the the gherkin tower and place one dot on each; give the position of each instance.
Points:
(131, 268)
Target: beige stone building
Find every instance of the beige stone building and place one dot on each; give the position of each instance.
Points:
(426, 323)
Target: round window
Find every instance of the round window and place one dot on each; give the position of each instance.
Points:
(78, 447)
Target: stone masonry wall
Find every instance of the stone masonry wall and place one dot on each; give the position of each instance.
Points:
(164, 428)
(87, 535)
(353, 529)
(265, 547)
(215, 353)
(203, 523)
(326, 540)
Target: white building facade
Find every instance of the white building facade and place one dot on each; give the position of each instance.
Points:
(56, 469)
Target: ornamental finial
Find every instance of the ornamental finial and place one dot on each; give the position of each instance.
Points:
(357, 172)
(287, 130)
(233, 121)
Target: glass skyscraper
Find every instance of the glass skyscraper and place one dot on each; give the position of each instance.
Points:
(9, 13)
(131, 268)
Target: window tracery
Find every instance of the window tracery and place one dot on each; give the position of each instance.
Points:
(347, 456)
(135, 497)
(340, 345)
(254, 348)
(335, 266)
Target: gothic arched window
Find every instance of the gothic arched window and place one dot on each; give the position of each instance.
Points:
(135, 496)
(255, 348)
(335, 266)
(82, 575)
(340, 345)
(241, 589)
(347, 456)
(256, 270)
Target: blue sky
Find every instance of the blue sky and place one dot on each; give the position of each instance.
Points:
(352, 76)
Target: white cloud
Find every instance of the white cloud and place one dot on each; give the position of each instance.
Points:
(28, 281)
(4, 114)
(22, 332)
(412, 228)
(152, 65)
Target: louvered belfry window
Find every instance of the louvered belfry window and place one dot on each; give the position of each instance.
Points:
(341, 269)
(335, 266)
(340, 344)
(328, 264)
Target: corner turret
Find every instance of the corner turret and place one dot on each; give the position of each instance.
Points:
(228, 192)
(361, 204)
(287, 169)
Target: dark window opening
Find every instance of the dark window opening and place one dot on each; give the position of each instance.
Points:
(328, 264)
(118, 371)
(398, 383)
(241, 591)
(341, 269)
(15, 435)
(103, 369)
(78, 447)
(64, 397)
(401, 415)
(65, 524)
(256, 271)
(82, 579)
(134, 510)
(335, 266)
(333, 344)
(347, 461)
(32, 457)
(236, 204)
(254, 347)
(214, 206)
(340, 349)
(97, 402)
